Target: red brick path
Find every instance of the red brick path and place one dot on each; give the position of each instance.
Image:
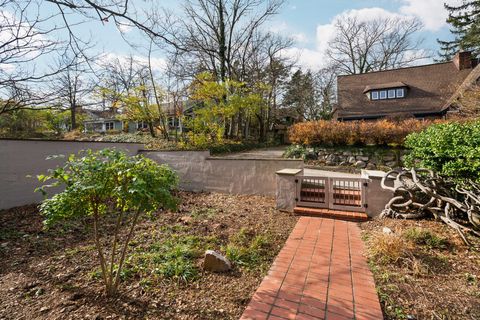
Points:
(319, 274)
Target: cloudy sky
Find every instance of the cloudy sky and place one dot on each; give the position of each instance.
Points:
(310, 23)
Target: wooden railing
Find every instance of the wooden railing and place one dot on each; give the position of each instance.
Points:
(331, 192)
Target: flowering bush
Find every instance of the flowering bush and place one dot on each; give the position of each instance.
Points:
(333, 133)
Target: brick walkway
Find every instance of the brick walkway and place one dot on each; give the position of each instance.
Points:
(319, 274)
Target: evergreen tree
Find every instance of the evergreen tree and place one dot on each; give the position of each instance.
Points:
(300, 96)
(465, 27)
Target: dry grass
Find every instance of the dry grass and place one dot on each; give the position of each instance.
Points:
(423, 270)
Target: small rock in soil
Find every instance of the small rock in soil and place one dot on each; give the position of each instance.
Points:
(215, 262)
(387, 230)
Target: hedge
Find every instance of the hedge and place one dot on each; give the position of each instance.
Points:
(334, 133)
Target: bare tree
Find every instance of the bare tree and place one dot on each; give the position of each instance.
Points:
(34, 33)
(326, 90)
(216, 33)
(374, 45)
(71, 87)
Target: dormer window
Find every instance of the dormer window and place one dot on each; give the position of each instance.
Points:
(387, 91)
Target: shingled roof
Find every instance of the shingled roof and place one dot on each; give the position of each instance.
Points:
(430, 88)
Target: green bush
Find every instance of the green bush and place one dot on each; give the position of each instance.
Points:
(103, 186)
(450, 149)
(295, 152)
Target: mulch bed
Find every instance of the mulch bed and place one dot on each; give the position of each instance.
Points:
(437, 277)
(48, 274)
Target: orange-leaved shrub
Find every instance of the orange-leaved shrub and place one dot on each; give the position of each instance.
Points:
(335, 133)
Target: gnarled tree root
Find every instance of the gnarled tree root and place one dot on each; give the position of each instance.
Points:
(420, 193)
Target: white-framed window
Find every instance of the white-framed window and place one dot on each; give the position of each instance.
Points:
(391, 94)
(387, 94)
(401, 93)
(109, 126)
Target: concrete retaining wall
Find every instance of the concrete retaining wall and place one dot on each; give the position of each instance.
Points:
(200, 172)
(22, 158)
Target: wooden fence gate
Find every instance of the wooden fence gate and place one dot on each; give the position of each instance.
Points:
(347, 194)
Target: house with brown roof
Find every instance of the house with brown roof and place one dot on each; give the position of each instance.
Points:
(426, 91)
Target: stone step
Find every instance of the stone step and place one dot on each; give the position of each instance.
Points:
(331, 214)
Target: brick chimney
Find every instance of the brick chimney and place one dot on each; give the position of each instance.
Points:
(463, 60)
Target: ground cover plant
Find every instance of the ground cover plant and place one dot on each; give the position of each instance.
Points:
(423, 270)
(54, 273)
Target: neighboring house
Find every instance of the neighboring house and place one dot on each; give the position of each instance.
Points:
(104, 121)
(426, 91)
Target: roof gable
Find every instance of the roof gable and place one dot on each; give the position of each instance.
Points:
(429, 88)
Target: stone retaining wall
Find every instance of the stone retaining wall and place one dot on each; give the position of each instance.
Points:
(361, 158)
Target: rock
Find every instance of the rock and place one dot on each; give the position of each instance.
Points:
(215, 262)
(387, 230)
(351, 160)
(391, 164)
(344, 163)
(362, 158)
(371, 166)
(388, 158)
(360, 164)
(186, 219)
(311, 155)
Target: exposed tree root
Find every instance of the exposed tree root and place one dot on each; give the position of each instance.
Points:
(420, 193)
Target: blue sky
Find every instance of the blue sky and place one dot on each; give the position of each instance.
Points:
(309, 22)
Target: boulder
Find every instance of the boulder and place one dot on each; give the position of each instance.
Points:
(362, 158)
(389, 158)
(371, 166)
(391, 164)
(360, 164)
(215, 262)
(352, 160)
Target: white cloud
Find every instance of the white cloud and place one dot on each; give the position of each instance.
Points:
(158, 63)
(315, 58)
(431, 12)
(124, 28)
(21, 42)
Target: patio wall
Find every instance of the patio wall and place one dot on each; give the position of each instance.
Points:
(22, 158)
(199, 171)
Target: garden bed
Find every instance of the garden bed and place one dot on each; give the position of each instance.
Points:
(55, 275)
(423, 270)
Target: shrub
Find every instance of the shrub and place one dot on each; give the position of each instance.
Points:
(295, 152)
(108, 184)
(333, 133)
(450, 149)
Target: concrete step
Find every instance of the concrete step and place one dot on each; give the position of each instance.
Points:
(331, 214)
